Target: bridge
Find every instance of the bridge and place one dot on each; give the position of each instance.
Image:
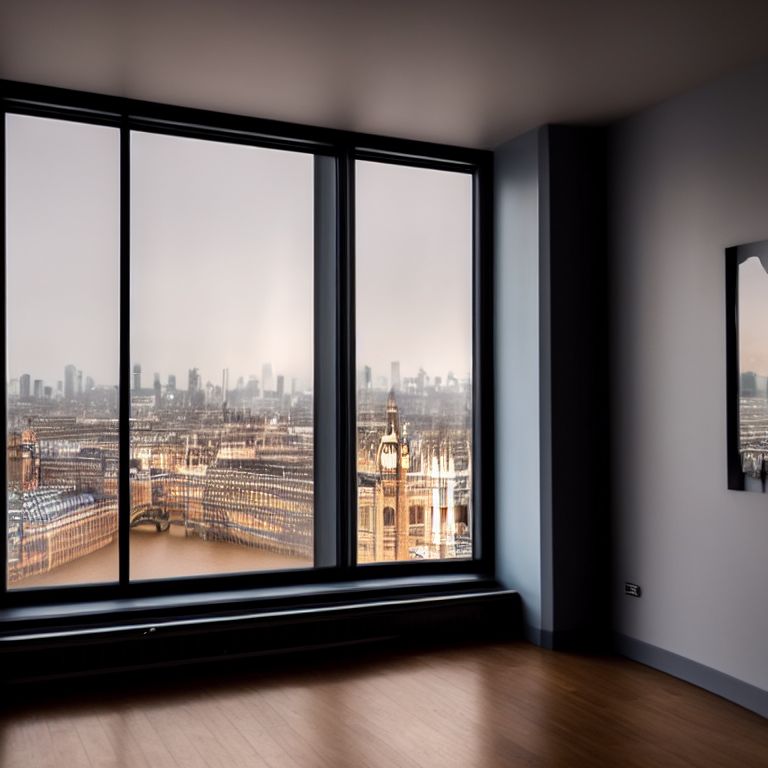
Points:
(150, 514)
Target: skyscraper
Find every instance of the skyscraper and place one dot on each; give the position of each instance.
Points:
(394, 379)
(280, 386)
(267, 379)
(367, 377)
(70, 373)
(24, 386)
(137, 378)
(38, 388)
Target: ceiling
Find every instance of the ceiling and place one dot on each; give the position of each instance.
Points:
(469, 73)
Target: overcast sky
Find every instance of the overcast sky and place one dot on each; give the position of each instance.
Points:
(63, 248)
(222, 258)
(414, 269)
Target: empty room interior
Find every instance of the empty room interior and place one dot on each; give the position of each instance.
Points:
(384, 383)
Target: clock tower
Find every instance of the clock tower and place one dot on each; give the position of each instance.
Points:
(393, 460)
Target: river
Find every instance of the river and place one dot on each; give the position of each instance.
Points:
(164, 555)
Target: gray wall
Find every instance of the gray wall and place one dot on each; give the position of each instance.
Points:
(690, 177)
(516, 324)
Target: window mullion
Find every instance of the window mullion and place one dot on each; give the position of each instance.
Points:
(326, 373)
(347, 471)
(124, 494)
(4, 406)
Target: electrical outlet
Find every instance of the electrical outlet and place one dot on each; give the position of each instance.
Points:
(633, 590)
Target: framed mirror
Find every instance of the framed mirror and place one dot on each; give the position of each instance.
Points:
(747, 365)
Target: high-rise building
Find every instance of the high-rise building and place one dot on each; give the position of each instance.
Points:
(193, 380)
(70, 374)
(90, 384)
(280, 385)
(171, 383)
(47, 392)
(367, 377)
(25, 386)
(395, 375)
(267, 379)
(158, 390)
(38, 389)
(137, 378)
(79, 383)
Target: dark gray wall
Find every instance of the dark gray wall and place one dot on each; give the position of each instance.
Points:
(551, 382)
(516, 327)
(690, 177)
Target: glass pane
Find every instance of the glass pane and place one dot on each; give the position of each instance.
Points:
(414, 356)
(221, 343)
(62, 262)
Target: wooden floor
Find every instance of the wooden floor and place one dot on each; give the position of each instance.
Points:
(497, 705)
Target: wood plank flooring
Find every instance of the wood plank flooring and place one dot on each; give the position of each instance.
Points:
(485, 706)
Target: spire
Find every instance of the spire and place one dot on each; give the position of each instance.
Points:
(393, 416)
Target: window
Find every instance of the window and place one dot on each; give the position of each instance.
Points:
(414, 353)
(221, 353)
(62, 350)
(237, 352)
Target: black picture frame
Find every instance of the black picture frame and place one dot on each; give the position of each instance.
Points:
(739, 478)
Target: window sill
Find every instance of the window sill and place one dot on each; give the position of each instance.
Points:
(82, 639)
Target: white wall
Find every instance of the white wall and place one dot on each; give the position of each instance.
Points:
(690, 177)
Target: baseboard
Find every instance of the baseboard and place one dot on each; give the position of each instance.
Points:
(731, 688)
(580, 641)
(537, 636)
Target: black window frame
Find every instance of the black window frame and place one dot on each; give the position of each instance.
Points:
(337, 312)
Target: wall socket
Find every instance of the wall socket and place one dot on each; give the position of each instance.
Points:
(633, 590)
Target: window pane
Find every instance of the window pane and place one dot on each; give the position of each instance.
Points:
(414, 356)
(62, 262)
(221, 342)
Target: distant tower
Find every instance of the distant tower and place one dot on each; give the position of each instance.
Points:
(158, 389)
(171, 383)
(79, 383)
(393, 462)
(38, 389)
(367, 377)
(137, 378)
(394, 379)
(70, 373)
(280, 386)
(24, 386)
(267, 379)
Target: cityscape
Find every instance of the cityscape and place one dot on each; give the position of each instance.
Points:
(753, 429)
(227, 467)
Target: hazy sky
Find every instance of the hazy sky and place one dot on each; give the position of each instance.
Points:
(222, 258)
(63, 248)
(414, 269)
(753, 316)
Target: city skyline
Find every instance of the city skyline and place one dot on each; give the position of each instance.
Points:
(377, 379)
(222, 257)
